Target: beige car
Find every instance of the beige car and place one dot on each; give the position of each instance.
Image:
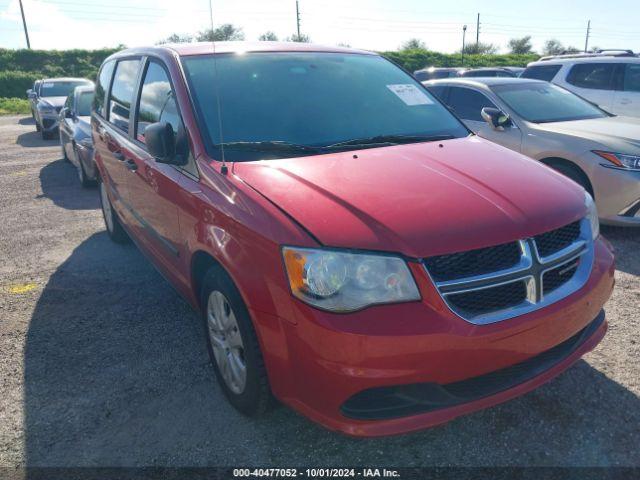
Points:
(598, 150)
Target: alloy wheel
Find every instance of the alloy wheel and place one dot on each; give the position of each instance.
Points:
(226, 342)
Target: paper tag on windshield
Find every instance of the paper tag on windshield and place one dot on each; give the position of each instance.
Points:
(47, 84)
(410, 94)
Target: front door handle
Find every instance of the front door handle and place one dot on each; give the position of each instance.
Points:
(131, 165)
(119, 156)
(625, 101)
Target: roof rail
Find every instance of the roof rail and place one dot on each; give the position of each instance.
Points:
(611, 52)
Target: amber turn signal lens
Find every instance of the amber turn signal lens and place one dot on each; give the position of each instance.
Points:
(295, 261)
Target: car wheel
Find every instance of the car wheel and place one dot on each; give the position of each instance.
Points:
(37, 126)
(85, 181)
(111, 220)
(575, 174)
(233, 345)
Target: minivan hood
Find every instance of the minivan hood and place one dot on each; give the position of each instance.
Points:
(418, 199)
(620, 133)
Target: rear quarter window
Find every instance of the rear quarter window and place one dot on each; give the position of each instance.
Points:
(541, 72)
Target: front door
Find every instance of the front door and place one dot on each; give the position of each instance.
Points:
(154, 187)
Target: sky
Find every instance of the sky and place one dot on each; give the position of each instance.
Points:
(368, 24)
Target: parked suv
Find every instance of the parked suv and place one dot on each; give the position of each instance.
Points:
(610, 81)
(599, 151)
(352, 249)
(49, 99)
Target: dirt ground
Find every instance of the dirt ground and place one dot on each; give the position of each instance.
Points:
(102, 364)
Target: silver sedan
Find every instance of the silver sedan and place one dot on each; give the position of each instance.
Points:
(598, 150)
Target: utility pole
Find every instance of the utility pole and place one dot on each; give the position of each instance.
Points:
(24, 24)
(586, 40)
(298, 19)
(478, 30)
(464, 32)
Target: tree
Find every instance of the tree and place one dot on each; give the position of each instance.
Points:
(480, 48)
(413, 44)
(268, 37)
(226, 32)
(553, 47)
(521, 45)
(176, 38)
(302, 38)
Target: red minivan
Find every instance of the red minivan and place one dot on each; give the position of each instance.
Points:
(355, 251)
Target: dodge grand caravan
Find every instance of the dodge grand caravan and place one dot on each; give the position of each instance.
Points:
(354, 251)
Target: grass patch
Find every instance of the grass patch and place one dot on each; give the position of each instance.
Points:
(14, 106)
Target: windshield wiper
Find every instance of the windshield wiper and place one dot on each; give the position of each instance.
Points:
(386, 140)
(276, 146)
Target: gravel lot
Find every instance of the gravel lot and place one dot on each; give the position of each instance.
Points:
(103, 364)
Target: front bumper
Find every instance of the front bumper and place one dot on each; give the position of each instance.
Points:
(617, 192)
(49, 123)
(327, 360)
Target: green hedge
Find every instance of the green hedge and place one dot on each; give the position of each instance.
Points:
(15, 83)
(54, 63)
(14, 106)
(414, 60)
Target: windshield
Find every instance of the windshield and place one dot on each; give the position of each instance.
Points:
(59, 89)
(85, 99)
(292, 104)
(544, 103)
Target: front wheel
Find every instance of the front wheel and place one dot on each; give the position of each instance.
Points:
(111, 220)
(233, 345)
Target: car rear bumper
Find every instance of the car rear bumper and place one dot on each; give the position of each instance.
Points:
(431, 363)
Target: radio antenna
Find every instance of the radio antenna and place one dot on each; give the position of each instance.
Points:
(223, 169)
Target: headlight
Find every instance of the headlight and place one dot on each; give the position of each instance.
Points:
(621, 160)
(343, 281)
(592, 215)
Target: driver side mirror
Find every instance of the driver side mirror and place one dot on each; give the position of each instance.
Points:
(68, 113)
(31, 94)
(161, 143)
(496, 118)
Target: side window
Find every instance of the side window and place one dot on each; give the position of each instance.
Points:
(157, 102)
(632, 77)
(104, 78)
(541, 72)
(597, 76)
(121, 98)
(438, 91)
(468, 103)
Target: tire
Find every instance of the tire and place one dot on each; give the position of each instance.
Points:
(111, 220)
(253, 396)
(85, 181)
(37, 126)
(575, 174)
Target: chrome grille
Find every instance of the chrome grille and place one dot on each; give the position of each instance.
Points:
(495, 284)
